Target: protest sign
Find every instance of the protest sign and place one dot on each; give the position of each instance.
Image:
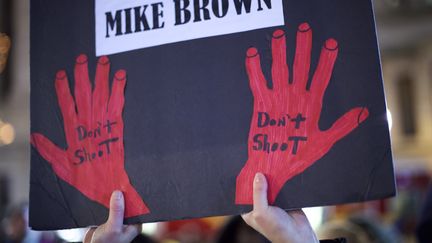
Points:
(179, 103)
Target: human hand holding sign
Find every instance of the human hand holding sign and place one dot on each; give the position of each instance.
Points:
(113, 230)
(284, 137)
(93, 161)
(274, 223)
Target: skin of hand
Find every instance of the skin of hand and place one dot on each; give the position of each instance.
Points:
(274, 223)
(113, 230)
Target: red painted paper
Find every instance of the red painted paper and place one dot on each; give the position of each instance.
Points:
(284, 137)
(93, 161)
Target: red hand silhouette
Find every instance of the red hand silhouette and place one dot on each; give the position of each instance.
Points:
(284, 137)
(93, 162)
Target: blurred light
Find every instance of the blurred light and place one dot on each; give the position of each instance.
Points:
(393, 3)
(149, 228)
(72, 235)
(389, 119)
(315, 216)
(7, 133)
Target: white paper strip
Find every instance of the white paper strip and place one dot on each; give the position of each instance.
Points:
(124, 25)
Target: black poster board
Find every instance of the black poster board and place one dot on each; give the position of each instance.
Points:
(195, 111)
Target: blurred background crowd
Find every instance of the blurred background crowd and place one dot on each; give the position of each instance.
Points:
(405, 37)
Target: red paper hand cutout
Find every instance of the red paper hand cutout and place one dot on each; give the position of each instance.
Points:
(284, 137)
(93, 162)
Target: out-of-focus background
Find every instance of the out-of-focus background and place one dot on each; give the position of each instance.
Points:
(405, 37)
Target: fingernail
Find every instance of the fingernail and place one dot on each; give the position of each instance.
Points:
(120, 75)
(364, 113)
(258, 177)
(61, 74)
(81, 59)
(331, 44)
(103, 60)
(251, 52)
(278, 34)
(304, 27)
(118, 195)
